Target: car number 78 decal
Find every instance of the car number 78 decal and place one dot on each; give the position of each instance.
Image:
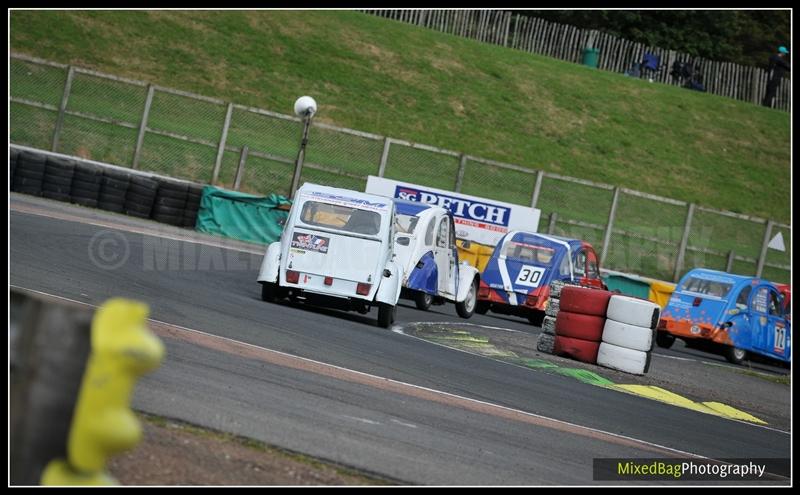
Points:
(530, 276)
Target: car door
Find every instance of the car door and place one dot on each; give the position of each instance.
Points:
(769, 332)
(443, 253)
(589, 272)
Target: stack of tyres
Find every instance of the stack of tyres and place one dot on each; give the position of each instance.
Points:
(114, 188)
(170, 203)
(193, 197)
(628, 334)
(580, 322)
(58, 175)
(12, 162)
(28, 173)
(546, 340)
(86, 184)
(141, 196)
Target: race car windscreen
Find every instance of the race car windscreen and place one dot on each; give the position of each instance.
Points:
(342, 218)
(405, 224)
(708, 287)
(529, 252)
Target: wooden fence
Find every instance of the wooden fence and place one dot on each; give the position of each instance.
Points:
(566, 42)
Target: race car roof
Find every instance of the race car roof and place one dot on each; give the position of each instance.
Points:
(406, 207)
(346, 197)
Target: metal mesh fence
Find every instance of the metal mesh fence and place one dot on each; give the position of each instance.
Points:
(36, 81)
(575, 201)
(42, 85)
(104, 113)
(265, 136)
(102, 119)
(422, 166)
(494, 182)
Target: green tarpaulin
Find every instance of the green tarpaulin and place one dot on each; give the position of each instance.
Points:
(246, 217)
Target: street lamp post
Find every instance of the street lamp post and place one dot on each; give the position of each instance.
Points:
(305, 107)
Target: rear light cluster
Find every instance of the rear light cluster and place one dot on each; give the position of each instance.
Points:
(362, 289)
(292, 276)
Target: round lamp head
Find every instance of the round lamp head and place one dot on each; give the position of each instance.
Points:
(305, 106)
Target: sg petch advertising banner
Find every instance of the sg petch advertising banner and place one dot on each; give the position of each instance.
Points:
(477, 219)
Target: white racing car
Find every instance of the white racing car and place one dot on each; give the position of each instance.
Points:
(336, 250)
(425, 246)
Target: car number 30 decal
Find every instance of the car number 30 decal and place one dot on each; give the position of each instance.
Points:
(530, 276)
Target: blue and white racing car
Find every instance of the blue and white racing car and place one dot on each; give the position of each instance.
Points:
(425, 247)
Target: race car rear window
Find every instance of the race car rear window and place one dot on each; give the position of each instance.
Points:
(529, 252)
(342, 218)
(709, 287)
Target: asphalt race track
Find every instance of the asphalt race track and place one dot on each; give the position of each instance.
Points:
(336, 386)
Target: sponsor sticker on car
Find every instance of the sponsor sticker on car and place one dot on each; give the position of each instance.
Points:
(310, 242)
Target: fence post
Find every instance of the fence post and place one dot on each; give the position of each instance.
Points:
(609, 226)
(221, 148)
(62, 107)
(764, 245)
(684, 240)
(536, 188)
(729, 265)
(143, 126)
(462, 167)
(384, 156)
(551, 225)
(240, 169)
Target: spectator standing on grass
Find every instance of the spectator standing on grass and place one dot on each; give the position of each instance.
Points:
(778, 66)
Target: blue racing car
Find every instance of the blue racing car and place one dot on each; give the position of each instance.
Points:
(516, 280)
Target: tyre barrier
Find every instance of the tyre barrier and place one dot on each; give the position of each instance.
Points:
(579, 349)
(623, 359)
(86, 184)
(170, 203)
(553, 307)
(580, 326)
(193, 198)
(629, 336)
(633, 311)
(545, 343)
(556, 286)
(29, 173)
(109, 188)
(57, 181)
(140, 196)
(584, 300)
(549, 325)
(12, 161)
(113, 188)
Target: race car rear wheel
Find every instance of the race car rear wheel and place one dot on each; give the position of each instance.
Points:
(664, 339)
(482, 307)
(467, 306)
(423, 300)
(269, 292)
(386, 314)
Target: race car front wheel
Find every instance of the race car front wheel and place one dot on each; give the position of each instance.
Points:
(735, 355)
